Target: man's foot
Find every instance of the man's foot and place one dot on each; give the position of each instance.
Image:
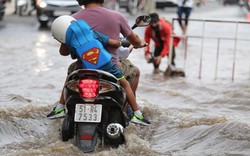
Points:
(55, 113)
(156, 71)
(140, 120)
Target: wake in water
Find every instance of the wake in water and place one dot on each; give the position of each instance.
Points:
(174, 131)
(26, 131)
(190, 117)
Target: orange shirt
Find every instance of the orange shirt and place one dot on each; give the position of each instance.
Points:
(165, 33)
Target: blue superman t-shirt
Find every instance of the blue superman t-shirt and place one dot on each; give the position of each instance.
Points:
(87, 45)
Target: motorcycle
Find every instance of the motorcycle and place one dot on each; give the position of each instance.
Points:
(96, 107)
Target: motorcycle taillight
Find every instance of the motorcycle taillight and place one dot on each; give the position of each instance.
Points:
(88, 88)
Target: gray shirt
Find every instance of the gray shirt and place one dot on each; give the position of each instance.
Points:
(108, 22)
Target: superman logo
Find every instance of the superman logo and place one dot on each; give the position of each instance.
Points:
(91, 55)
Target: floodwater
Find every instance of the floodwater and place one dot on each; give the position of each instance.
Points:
(201, 114)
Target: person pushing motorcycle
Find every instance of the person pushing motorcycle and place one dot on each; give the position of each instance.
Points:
(159, 31)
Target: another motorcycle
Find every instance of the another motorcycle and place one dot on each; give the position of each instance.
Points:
(96, 107)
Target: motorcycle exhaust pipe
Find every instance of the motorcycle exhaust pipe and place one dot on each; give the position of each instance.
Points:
(114, 130)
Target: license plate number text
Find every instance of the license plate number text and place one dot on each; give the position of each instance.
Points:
(88, 113)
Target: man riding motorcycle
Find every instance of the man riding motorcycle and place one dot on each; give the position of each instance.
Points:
(114, 24)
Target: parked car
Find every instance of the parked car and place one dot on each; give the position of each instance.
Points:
(166, 3)
(48, 10)
(2, 8)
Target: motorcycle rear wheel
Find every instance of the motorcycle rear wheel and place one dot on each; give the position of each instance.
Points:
(67, 131)
(43, 24)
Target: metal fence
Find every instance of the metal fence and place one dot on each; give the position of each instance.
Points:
(238, 31)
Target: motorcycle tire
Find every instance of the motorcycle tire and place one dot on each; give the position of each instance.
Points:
(43, 24)
(21, 8)
(67, 131)
(1, 16)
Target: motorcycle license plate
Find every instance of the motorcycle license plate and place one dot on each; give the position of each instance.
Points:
(88, 113)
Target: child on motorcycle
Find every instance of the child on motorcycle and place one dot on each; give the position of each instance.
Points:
(82, 41)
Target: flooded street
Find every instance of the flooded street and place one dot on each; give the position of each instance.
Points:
(190, 116)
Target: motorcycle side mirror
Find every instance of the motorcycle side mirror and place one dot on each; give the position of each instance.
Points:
(142, 21)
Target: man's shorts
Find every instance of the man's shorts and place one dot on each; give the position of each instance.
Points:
(124, 65)
(112, 69)
(186, 11)
(128, 70)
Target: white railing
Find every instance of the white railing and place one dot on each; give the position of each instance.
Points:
(233, 35)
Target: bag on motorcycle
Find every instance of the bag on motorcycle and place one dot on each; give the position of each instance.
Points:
(80, 40)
